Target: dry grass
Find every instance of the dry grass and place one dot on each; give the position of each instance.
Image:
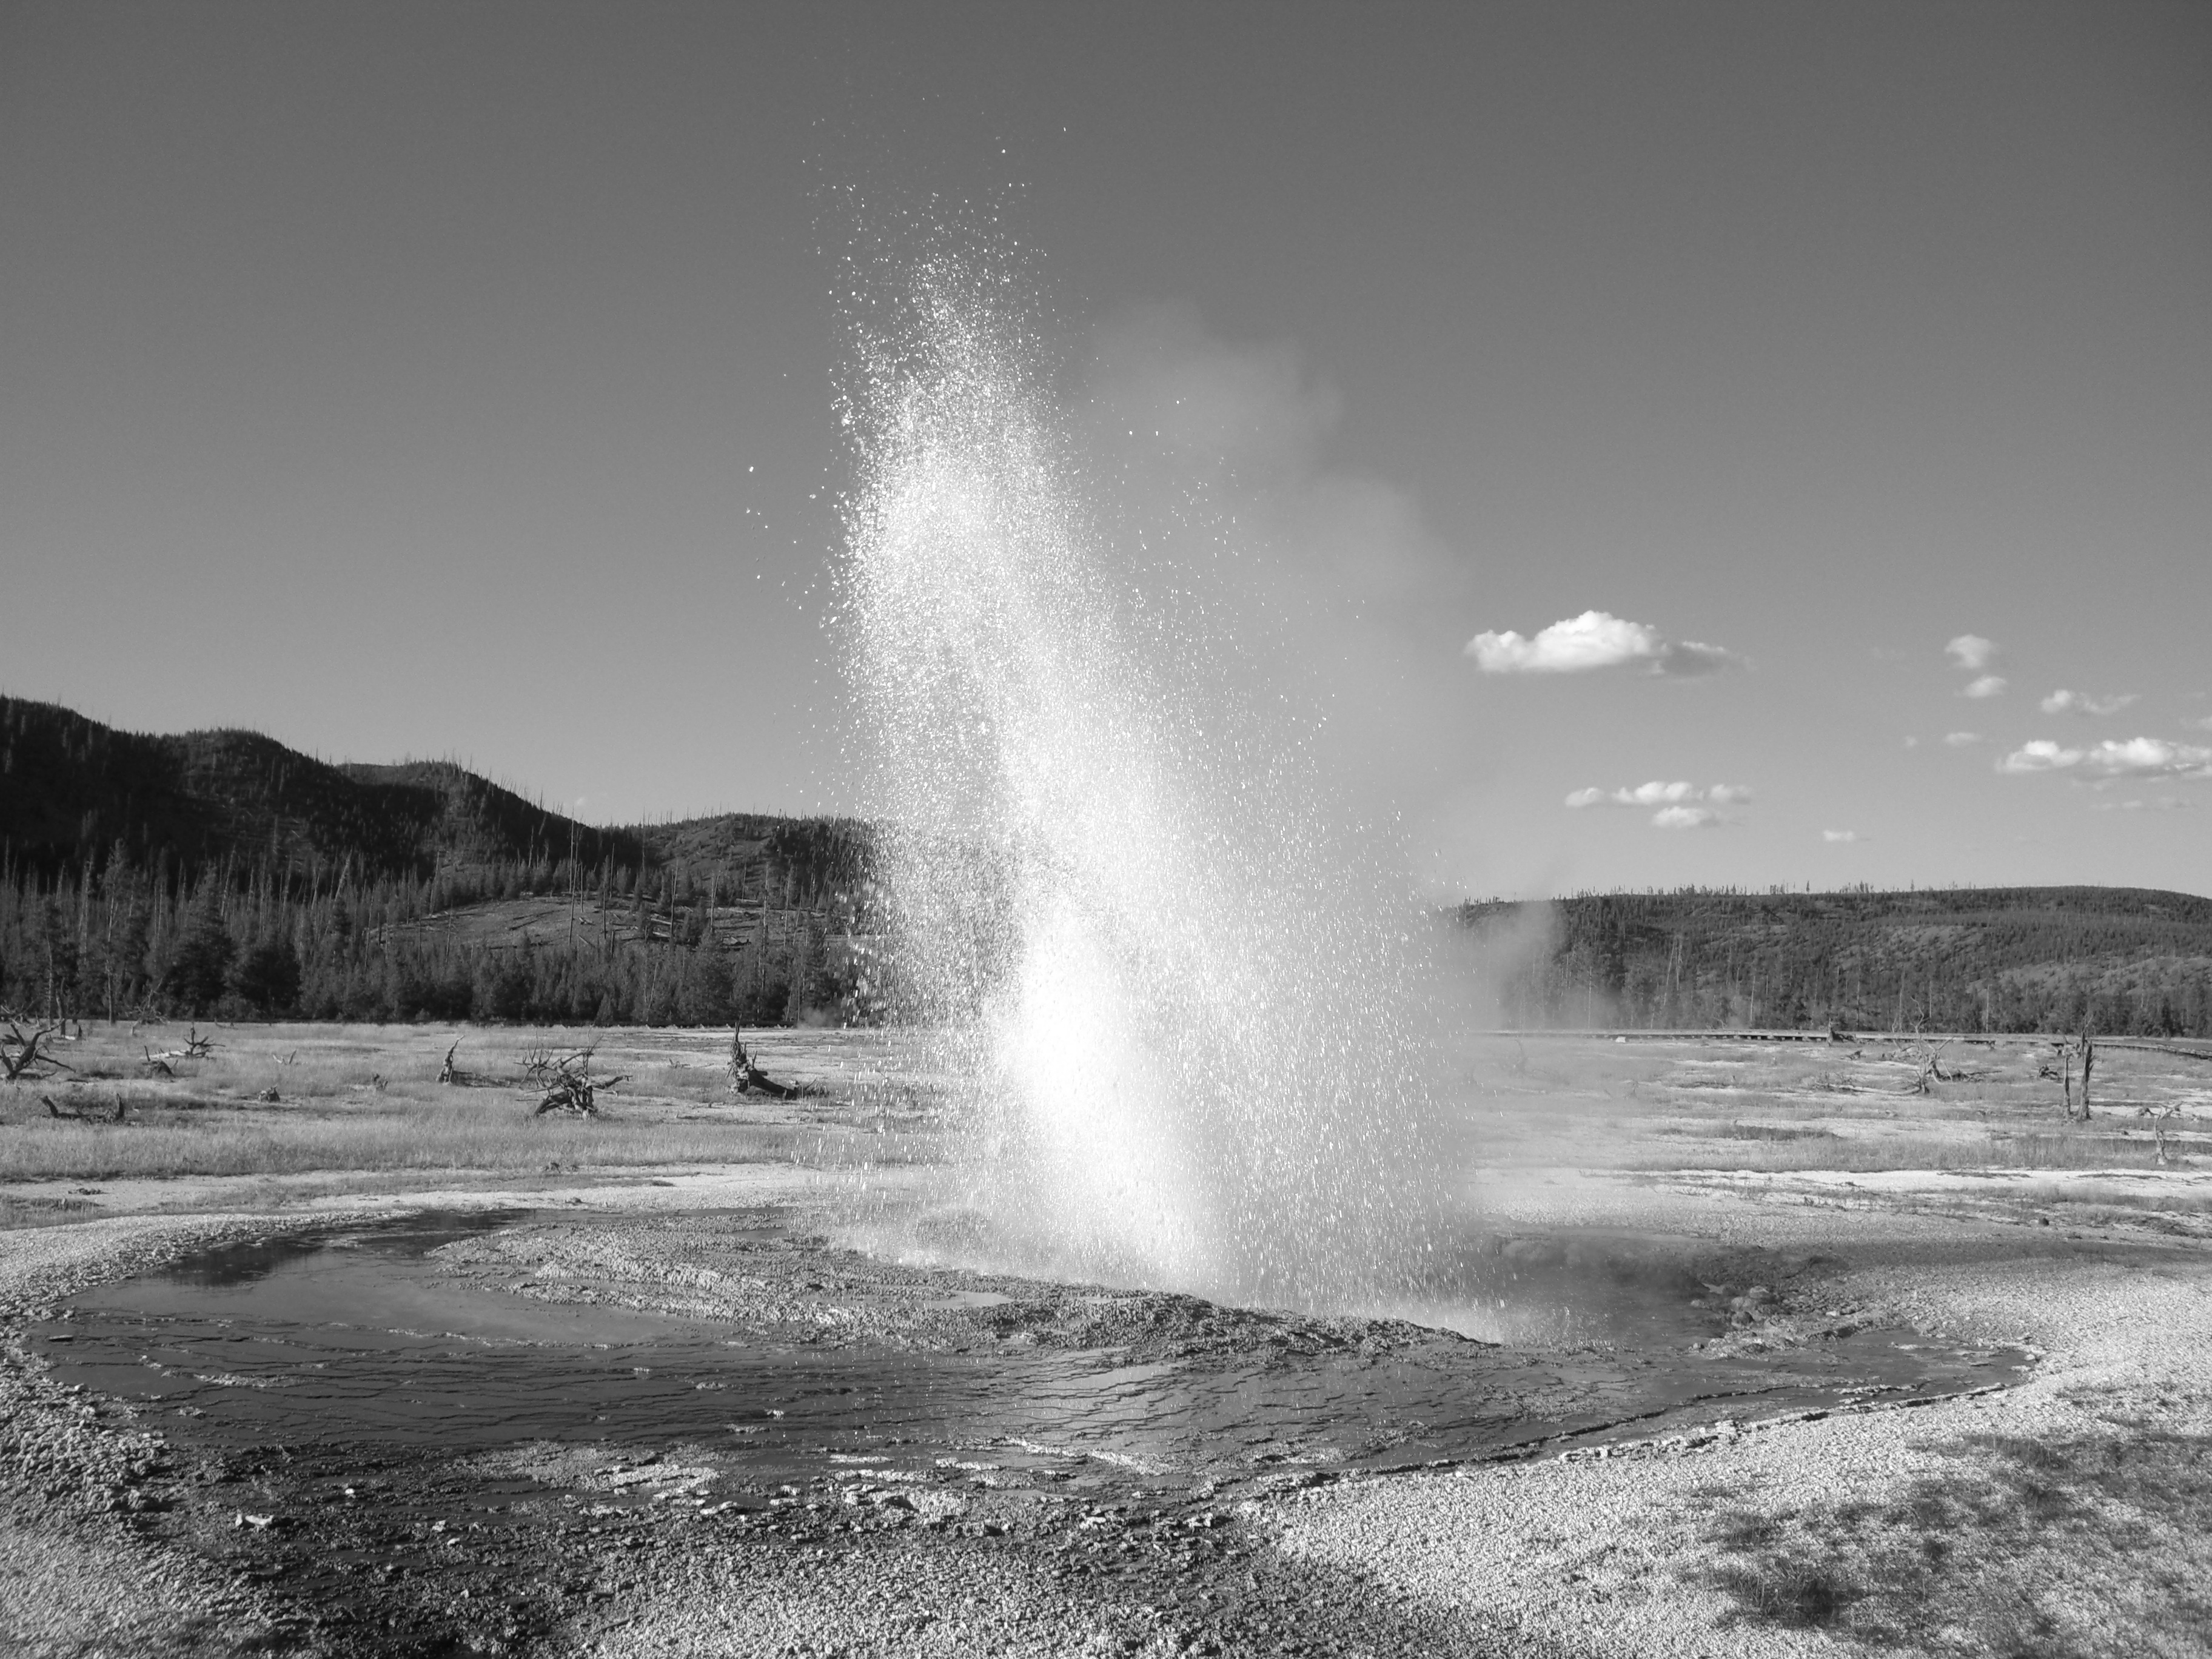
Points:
(368, 1098)
(1817, 1149)
(401, 1135)
(1780, 1107)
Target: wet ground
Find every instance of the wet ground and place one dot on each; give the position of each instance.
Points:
(444, 1434)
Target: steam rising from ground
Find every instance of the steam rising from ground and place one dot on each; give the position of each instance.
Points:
(1180, 1018)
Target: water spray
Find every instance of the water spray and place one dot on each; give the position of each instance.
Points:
(1182, 1041)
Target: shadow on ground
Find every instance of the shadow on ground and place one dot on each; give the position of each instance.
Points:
(1968, 1560)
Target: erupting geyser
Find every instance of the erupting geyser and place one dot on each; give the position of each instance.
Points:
(1181, 1023)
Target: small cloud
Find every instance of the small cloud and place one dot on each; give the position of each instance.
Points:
(2204, 725)
(1675, 801)
(1962, 740)
(1688, 659)
(1595, 639)
(2137, 758)
(2039, 755)
(1841, 835)
(2150, 757)
(1990, 686)
(1912, 742)
(2156, 804)
(1656, 793)
(1971, 652)
(2081, 703)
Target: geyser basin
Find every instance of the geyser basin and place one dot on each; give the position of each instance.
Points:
(790, 1359)
(452, 1434)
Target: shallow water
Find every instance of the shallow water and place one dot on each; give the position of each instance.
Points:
(356, 1337)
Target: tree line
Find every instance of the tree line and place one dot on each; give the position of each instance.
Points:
(2121, 961)
(754, 944)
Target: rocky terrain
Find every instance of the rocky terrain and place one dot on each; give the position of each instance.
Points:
(710, 1409)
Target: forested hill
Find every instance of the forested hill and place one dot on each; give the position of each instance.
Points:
(1992, 958)
(77, 795)
(223, 871)
(219, 872)
(75, 792)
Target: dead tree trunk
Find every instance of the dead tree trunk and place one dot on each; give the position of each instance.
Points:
(572, 1088)
(26, 1064)
(747, 1078)
(2089, 1059)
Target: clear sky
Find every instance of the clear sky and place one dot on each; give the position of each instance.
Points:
(424, 380)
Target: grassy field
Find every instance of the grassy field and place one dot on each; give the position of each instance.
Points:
(1688, 1104)
(295, 1099)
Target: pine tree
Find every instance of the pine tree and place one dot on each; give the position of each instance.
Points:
(201, 963)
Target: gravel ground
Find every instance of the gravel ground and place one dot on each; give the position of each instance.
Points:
(2065, 1515)
(1792, 1537)
(83, 1579)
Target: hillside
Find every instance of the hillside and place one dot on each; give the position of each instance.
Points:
(1998, 958)
(76, 793)
(222, 872)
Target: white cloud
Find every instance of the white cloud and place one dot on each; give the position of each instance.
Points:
(2204, 725)
(1840, 835)
(2150, 757)
(1593, 641)
(1675, 801)
(1971, 652)
(1961, 739)
(2039, 755)
(2156, 804)
(1656, 793)
(1990, 686)
(1912, 742)
(2081, 703)
(2137, 758)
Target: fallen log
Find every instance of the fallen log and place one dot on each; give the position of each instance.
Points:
(572, 1088)
(80, 1115)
